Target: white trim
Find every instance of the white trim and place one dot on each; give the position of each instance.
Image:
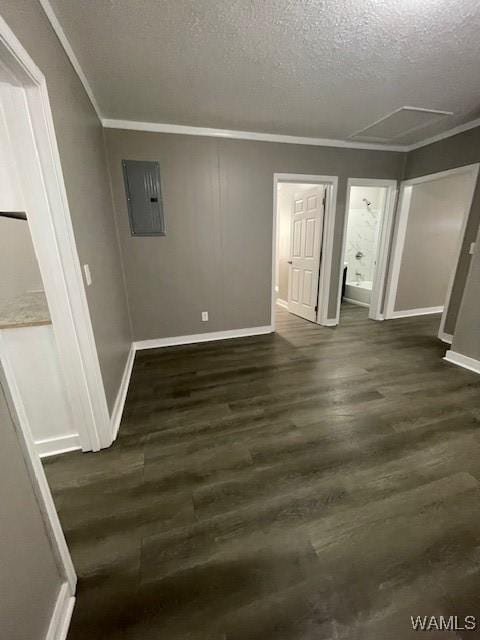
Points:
(159, 127)
(448, 173)
(282, 303)
(331, 322)
(180, 129)
(324, 285)
(385, 233)
(122, 393)
(357, 302)
(60, 444)
(408, 313)
(396, 252)
(201, 337)
(62, 614)
(445, 337)
(57, 27)
(406, 189)
(38, 164)
(446, 134)
(462, 361)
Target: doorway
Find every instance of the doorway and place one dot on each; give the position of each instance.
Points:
(33, 190)
(432, 216)
(367, 231)
(304, 211)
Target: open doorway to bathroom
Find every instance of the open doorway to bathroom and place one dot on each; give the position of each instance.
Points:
(367, 232)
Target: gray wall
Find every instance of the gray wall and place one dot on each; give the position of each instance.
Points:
(19, 270)
(429, 256)
(82, 152)
(467, 331)
(457, 151)
(29, 576)
(218, 197)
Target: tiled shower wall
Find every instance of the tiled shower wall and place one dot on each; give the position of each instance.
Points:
(362, 232)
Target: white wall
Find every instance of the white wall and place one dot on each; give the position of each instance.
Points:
(285, 196)
(19, 270)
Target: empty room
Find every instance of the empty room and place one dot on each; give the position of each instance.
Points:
(239, 320)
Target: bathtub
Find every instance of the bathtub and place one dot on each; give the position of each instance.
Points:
(358, 292)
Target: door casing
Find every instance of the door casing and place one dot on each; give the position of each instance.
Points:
(331, 183)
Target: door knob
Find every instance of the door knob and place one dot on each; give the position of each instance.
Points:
(290, 262)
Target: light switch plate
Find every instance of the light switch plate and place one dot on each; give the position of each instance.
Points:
(88, 275)
(472, 248)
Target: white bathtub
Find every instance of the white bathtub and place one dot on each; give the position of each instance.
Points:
(359, 292)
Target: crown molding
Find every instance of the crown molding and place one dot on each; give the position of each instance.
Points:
(446, 134)
(161, 127)
(57, 27)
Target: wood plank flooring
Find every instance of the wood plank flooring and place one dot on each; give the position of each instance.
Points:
(313, 484)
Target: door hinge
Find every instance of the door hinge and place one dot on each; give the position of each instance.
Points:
(316, 308)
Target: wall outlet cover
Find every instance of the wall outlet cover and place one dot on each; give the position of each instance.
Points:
(204, 316)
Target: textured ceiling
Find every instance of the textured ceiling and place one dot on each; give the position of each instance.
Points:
(322, 68)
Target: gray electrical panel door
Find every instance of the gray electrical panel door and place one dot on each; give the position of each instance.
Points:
(144, 197)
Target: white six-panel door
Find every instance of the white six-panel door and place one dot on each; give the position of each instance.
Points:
(305, 237)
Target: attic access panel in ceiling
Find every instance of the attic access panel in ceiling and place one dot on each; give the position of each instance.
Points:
(398, 123)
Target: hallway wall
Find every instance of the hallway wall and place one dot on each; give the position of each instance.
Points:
(435, 219)
(466, 340)
(82, 153)
(456, 151)
(29, 577)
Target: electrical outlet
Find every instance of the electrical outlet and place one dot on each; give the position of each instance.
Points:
(88, 275)
(472, 248)
(204, 316)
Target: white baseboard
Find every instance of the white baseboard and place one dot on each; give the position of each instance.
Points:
(415, 312)
(282, 303)
(329, 322)
(117, 412)
(62, 614)
(357, 302)
(201, 337)
(462, 361)
(60, 444)
(445, 337)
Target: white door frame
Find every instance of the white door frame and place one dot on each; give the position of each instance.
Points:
(331, 182)
(37, 162)
(403, 209)
(384, 236)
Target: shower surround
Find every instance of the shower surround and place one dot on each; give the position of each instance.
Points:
(361, 242)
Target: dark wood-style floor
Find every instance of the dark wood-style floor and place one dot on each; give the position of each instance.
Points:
(313, 484)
